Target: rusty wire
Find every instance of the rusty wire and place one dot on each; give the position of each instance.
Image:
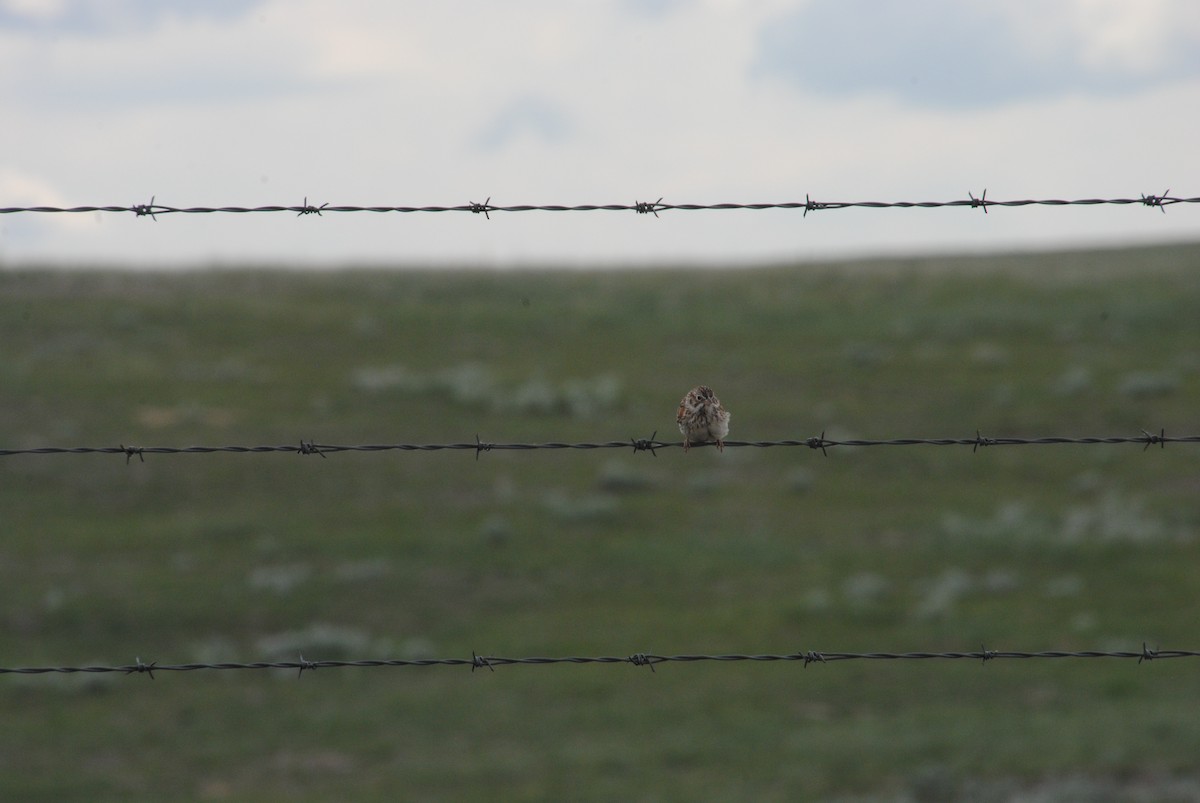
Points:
(153, 208)
(651, 444)
(490, 662)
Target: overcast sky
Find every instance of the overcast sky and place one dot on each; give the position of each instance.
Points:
(370, 102)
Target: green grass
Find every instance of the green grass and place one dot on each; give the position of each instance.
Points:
(230, 557)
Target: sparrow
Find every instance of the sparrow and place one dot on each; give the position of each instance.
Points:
(701, 418)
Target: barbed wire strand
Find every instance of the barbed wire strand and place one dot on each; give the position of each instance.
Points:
(490, 662)
(153, 209)
(651, 444)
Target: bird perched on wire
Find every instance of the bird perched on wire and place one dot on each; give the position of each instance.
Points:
(701, 418)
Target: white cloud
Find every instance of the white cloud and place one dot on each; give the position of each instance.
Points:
(947, 53)
(1148, 37)
(36, 11)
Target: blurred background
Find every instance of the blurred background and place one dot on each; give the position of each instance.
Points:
(856, 323)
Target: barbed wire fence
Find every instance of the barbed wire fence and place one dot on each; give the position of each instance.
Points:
(153, 209)
(821, 443)
(651, 444)
(490, 662)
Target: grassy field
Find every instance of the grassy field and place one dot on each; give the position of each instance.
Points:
(229, 557)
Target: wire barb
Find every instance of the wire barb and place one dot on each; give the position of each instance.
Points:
(141, 210)
(642, 659)
(1151, 438)
(981, 201)
(1157, 200)
(646, 444)
(308, 447)
(130, 451)
(307, 209)
(479, 662)
(305, 665)
(142, 668)
(650, 208)
(484, 207)
(480, 446)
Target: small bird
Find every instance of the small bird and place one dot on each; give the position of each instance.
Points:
(701, 418)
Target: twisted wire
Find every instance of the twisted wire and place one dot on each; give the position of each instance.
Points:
(153, 208)
(651, 444)
(490, 662)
